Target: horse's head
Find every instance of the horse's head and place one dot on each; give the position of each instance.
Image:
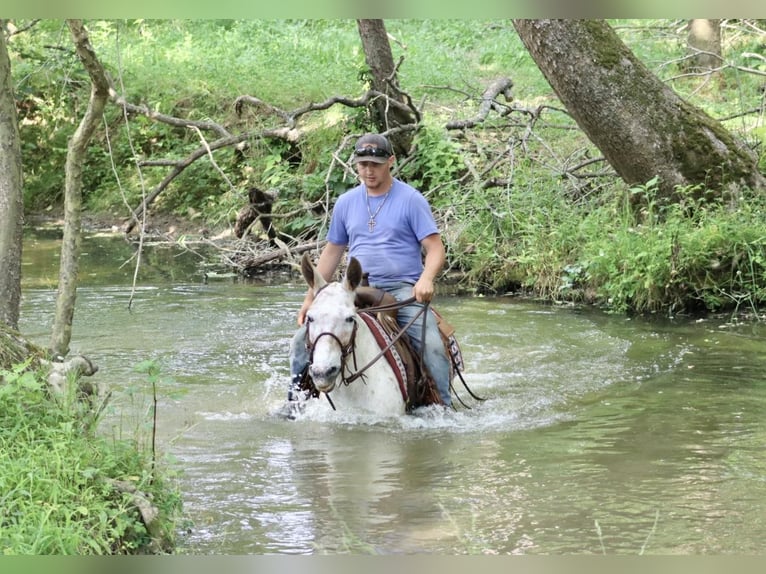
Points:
(330, 322)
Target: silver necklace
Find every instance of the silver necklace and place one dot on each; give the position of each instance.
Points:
(371, 221)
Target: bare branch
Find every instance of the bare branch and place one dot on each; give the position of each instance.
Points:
(166, 119)
(288, 133)
(499, 86)
(181, 165)
(12, 30)
(249, 256)
(240, 102)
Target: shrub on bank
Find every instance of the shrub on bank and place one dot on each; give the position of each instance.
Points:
(66, 490)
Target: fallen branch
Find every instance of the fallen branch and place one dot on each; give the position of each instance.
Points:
(180, 165)
(164, 118)
(261, 254)
(291, 118)
(488, 103)
(147, 511)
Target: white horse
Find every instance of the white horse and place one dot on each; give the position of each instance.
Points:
(340, 343)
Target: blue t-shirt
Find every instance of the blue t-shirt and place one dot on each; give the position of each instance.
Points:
(391, 251)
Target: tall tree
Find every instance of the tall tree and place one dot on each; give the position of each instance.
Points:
(704, 45)
(78, 144)
(390, 111)
(11, 201)
(642, 127)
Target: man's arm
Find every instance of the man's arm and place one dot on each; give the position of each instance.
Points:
(432, 266)
(328, 262)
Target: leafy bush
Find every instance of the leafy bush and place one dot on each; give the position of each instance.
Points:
(687, 256)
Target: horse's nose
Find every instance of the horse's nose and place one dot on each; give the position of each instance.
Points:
(324, 373)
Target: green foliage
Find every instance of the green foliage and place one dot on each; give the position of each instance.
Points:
(689, 256)
(435, 165)
(519, 238)
(204, 63)
(543, 226)
(57, 477)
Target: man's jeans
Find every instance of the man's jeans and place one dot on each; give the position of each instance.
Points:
(435, 357)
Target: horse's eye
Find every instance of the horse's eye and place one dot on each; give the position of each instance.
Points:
(309, 318)
(350, 319)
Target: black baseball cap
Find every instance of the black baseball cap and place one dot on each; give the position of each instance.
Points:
(372, 147)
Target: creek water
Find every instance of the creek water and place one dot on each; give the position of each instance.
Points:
(600, 434)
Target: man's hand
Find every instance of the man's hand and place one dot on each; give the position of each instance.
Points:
(305, 307)
(434, 248)
(423, 290)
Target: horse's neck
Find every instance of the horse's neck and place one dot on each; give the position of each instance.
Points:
(367, 348)
(378, 388)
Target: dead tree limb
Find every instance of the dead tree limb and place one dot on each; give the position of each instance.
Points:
(164, 118)
(291, 118)
(246, 262)
(180, 165)
(257, 210)
(488, 103)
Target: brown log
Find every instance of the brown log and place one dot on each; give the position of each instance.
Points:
(257, 210)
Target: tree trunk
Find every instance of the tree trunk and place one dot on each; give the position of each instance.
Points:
(11, 201)
(15, 351)
(704, 45)
(642, 127)
(70, 247)
(380, 59)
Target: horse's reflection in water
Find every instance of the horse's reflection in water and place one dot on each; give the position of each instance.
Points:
(364, 481)
(369, 489)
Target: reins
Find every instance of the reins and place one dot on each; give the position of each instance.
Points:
(388, 307)
(398, 305)
(349, 349)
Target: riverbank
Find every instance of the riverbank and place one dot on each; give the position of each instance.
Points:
(232, 255)
(166, 226)
(68, 490)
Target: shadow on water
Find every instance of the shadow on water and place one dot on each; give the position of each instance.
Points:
(602, 434)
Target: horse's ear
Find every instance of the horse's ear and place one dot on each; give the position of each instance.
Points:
(310, 273)
(353, 274)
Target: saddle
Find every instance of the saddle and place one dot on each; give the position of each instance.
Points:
(417, 385)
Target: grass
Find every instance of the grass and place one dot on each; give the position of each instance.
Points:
(58, 492)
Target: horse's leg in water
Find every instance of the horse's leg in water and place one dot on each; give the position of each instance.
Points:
(299, 362)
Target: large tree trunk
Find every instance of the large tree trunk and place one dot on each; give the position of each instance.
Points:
(704, 45)
(380, 59)
(642, 127)
(11, 201)
(70, 247)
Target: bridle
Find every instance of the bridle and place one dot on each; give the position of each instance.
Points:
(345, 350)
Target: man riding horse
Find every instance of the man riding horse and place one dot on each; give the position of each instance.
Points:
(387, 225)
